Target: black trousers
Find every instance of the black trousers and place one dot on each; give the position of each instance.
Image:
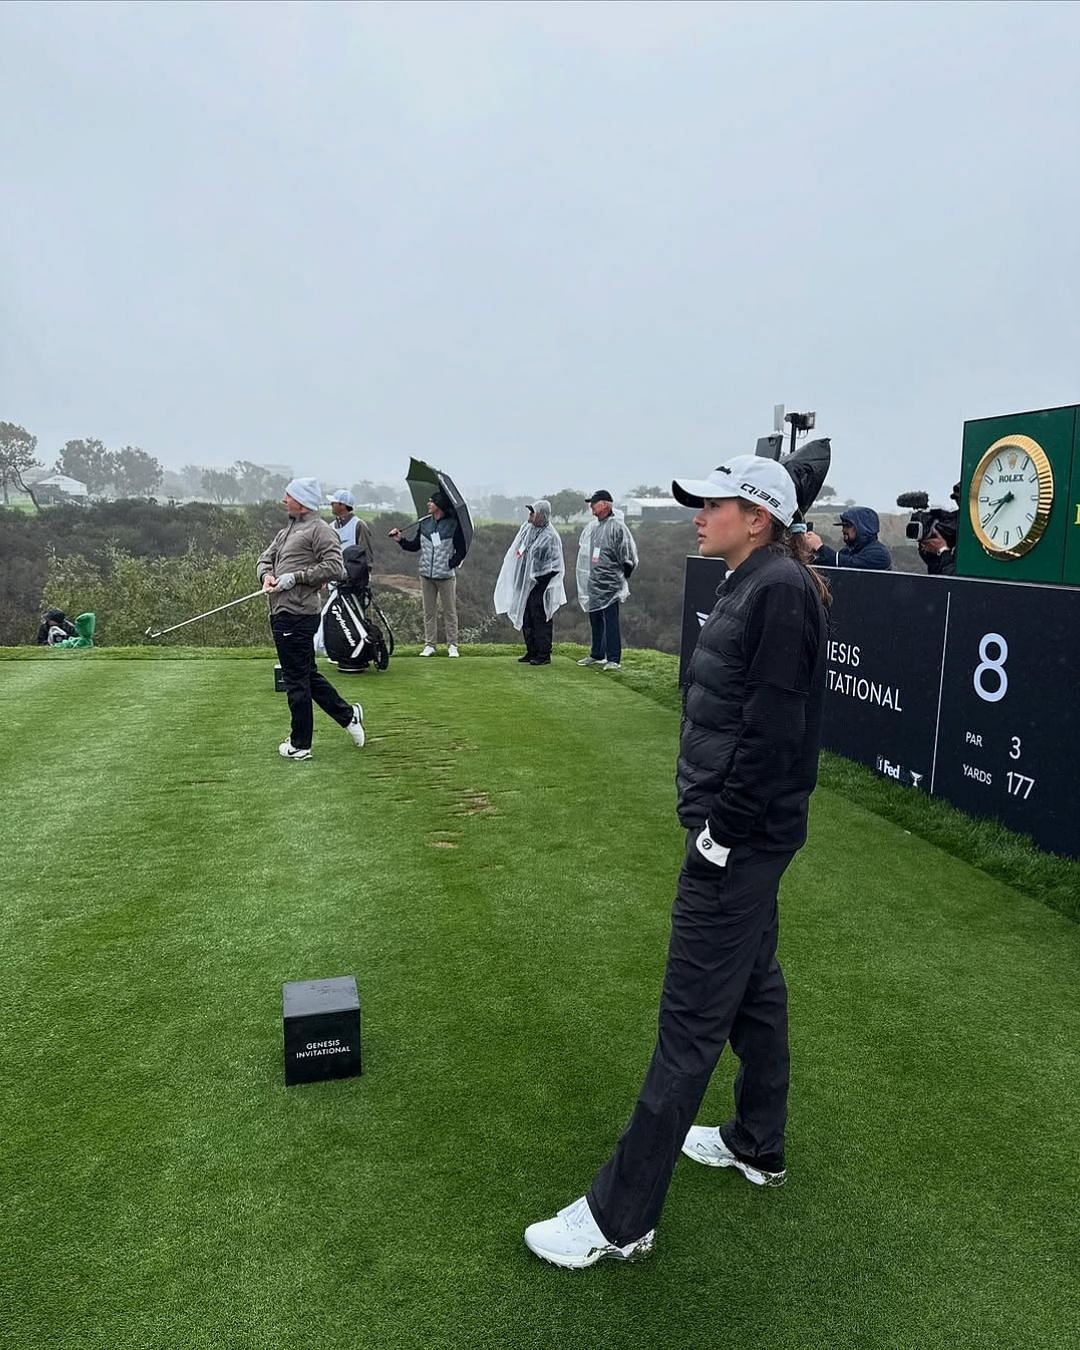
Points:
(536, 627)
(294, 638)
(722, 985)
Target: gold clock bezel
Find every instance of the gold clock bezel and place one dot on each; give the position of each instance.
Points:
(1043, 468)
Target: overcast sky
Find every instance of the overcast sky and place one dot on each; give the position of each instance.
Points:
(541, 245)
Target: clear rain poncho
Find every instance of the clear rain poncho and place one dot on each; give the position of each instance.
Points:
(605, 550)
(535, 552)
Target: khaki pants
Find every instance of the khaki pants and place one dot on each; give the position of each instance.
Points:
(446, 591)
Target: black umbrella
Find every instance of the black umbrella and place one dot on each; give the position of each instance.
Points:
(423, 481)
(809, 467)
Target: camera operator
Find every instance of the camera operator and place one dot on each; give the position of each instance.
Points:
(937, 547)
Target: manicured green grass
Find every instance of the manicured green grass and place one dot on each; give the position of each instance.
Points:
(496, 868)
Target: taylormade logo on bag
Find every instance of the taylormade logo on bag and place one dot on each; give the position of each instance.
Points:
(337, 612)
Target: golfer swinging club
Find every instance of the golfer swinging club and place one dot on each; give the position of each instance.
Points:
(748, 756)
(300, 560)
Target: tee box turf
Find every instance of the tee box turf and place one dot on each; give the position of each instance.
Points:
(322, 1029)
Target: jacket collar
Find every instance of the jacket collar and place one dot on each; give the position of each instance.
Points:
(746, 569)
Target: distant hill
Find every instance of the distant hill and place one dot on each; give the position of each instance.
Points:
(73, 556)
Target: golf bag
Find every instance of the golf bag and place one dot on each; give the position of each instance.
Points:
(351, 632)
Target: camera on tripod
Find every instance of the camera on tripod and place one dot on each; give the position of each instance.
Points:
(926, 519)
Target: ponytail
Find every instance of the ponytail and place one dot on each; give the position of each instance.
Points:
(787, 544)
(783, 542)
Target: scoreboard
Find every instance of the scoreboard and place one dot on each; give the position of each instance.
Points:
(960, 688)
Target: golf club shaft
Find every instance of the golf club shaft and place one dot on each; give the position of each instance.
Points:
(228, 605)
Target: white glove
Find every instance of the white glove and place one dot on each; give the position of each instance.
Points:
(286, 581)
(710, 850)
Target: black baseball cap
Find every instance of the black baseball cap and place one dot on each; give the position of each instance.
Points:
(600, 496)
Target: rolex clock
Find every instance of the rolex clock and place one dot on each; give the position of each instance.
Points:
(1011, 496)
(1017, 478)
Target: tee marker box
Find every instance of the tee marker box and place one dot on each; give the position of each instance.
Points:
(321, 1021)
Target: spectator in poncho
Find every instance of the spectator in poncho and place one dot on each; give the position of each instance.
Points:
(530, 585)
(607, 555)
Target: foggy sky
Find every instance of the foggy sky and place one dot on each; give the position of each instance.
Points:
(543, 245)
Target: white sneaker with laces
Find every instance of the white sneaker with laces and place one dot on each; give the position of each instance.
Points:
(452, 650)
(612, 665)
(429, 650)
(572, 1240)
(705, 1145)
(591, 661)
(288, 751)
(356, 726)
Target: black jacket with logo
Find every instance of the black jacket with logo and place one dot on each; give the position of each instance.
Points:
(752, 707)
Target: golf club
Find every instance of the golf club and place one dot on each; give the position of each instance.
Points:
(153, 632)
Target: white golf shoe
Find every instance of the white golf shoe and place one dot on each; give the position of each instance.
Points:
(429, 650)
(572, 1240)
(452, 650)
(288, 751)
(612, 665)
(592, 661)
(705, 1145)
(356, 726)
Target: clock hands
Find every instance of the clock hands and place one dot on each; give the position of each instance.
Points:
(1002, 501)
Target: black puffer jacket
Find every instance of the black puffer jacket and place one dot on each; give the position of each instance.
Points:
(752, 707)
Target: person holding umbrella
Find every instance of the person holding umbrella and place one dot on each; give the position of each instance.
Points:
(530, 585)
(438, 543)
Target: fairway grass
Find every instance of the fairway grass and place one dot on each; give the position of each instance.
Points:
(496, 868)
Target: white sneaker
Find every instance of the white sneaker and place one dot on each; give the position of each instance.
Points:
(591, 661)
(452, 650)
(429, 650)
(704, 1145)
(356, 726)
(612, 665)
(288, 751)
(573, 1240)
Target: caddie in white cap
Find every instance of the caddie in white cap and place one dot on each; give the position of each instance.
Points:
(751, 728)
(352, 531)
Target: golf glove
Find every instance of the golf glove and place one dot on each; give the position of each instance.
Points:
(710, 850)
(286, 581)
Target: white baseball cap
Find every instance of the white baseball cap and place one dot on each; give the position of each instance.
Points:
(753, 477)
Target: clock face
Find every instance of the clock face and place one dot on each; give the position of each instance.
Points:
(1012, 492)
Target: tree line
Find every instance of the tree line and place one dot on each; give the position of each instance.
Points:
(137, 563)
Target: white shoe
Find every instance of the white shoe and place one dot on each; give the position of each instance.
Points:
(573, 1240)
(704, 1145)
(590, 661)
(452, 650)
(429, 650)
(356, 726)
(612, 665)
(288, 751)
